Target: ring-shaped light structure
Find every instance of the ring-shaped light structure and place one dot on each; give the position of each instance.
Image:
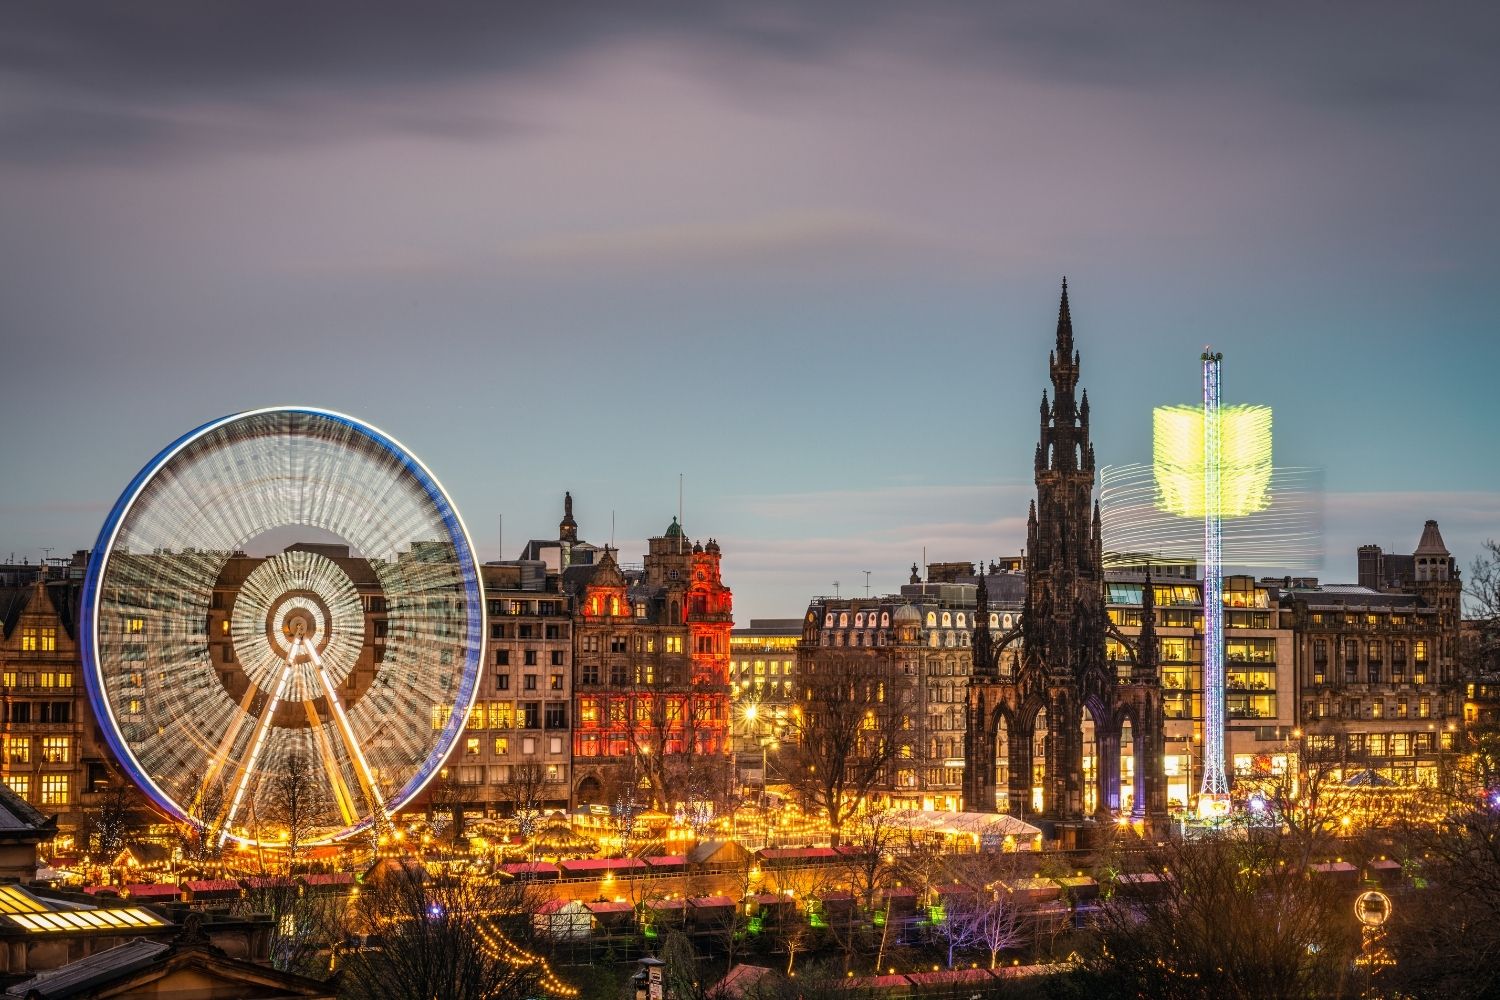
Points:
(336, 674)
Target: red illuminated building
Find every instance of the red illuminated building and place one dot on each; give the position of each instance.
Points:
(651, 676)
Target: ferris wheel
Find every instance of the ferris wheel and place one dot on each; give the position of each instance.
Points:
(282, 627)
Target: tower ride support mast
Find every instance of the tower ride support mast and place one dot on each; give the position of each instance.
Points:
(1215, 783)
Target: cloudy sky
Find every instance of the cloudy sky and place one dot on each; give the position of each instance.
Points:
(806, 256)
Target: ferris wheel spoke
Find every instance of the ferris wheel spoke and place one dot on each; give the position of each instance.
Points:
(361, 767)
(336, 781)
(262, 726)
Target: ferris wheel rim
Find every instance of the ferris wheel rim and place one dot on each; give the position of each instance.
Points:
(99, 559)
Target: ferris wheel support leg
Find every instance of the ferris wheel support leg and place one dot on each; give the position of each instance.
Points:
(336, 781)
(262, 726)
(221, 756)
(362, 768)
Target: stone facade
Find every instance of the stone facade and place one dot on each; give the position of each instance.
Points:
(1377, 674)
(919, 642)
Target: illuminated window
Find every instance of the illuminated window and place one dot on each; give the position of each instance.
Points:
(440, 716)
(54, 790)
(48, 640)
(18, 749)
(56, 749)
(674, 643)
(556, 682)
(9, 678)
(471, 746)
(135, 626)
(502, 714)
(224, 627)
(502, 745)
(20, 784)
(28, 640)
(588, 711)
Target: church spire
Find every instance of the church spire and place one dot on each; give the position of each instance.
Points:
(1064, 327)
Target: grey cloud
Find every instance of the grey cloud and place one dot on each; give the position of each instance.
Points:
(111, 75)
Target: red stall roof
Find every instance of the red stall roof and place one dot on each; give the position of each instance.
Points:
(591, 866)
(152, 890)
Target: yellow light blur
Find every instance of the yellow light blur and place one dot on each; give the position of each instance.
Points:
(1244, 459)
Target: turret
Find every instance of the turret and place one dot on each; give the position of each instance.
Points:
(984, 656)
(1146, 659)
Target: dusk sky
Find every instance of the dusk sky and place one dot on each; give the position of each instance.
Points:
(806, 256)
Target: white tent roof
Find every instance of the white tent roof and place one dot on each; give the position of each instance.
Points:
(973, 823)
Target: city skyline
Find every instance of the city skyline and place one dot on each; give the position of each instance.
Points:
(594, 253)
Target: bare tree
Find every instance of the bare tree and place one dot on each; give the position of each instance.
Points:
(850, 730)
(291, 801)
(202, 842)
(443, 937)
(106, 824)
(305, 926)
(1302, 796)
(1001, 926)
(526, 788)
(448, 801)
(1444, 940)
(1235, 917)
(998, 918)
(1479, 640)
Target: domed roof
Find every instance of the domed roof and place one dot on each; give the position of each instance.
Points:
(907, 614)
(674, 530)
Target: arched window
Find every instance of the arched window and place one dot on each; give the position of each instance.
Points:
(614, 605)
(947, 619)
(994, 619)
(843, 619)
(931, 619)
(960, 619)
(885, 619)
(828, 620)
(859, 620)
